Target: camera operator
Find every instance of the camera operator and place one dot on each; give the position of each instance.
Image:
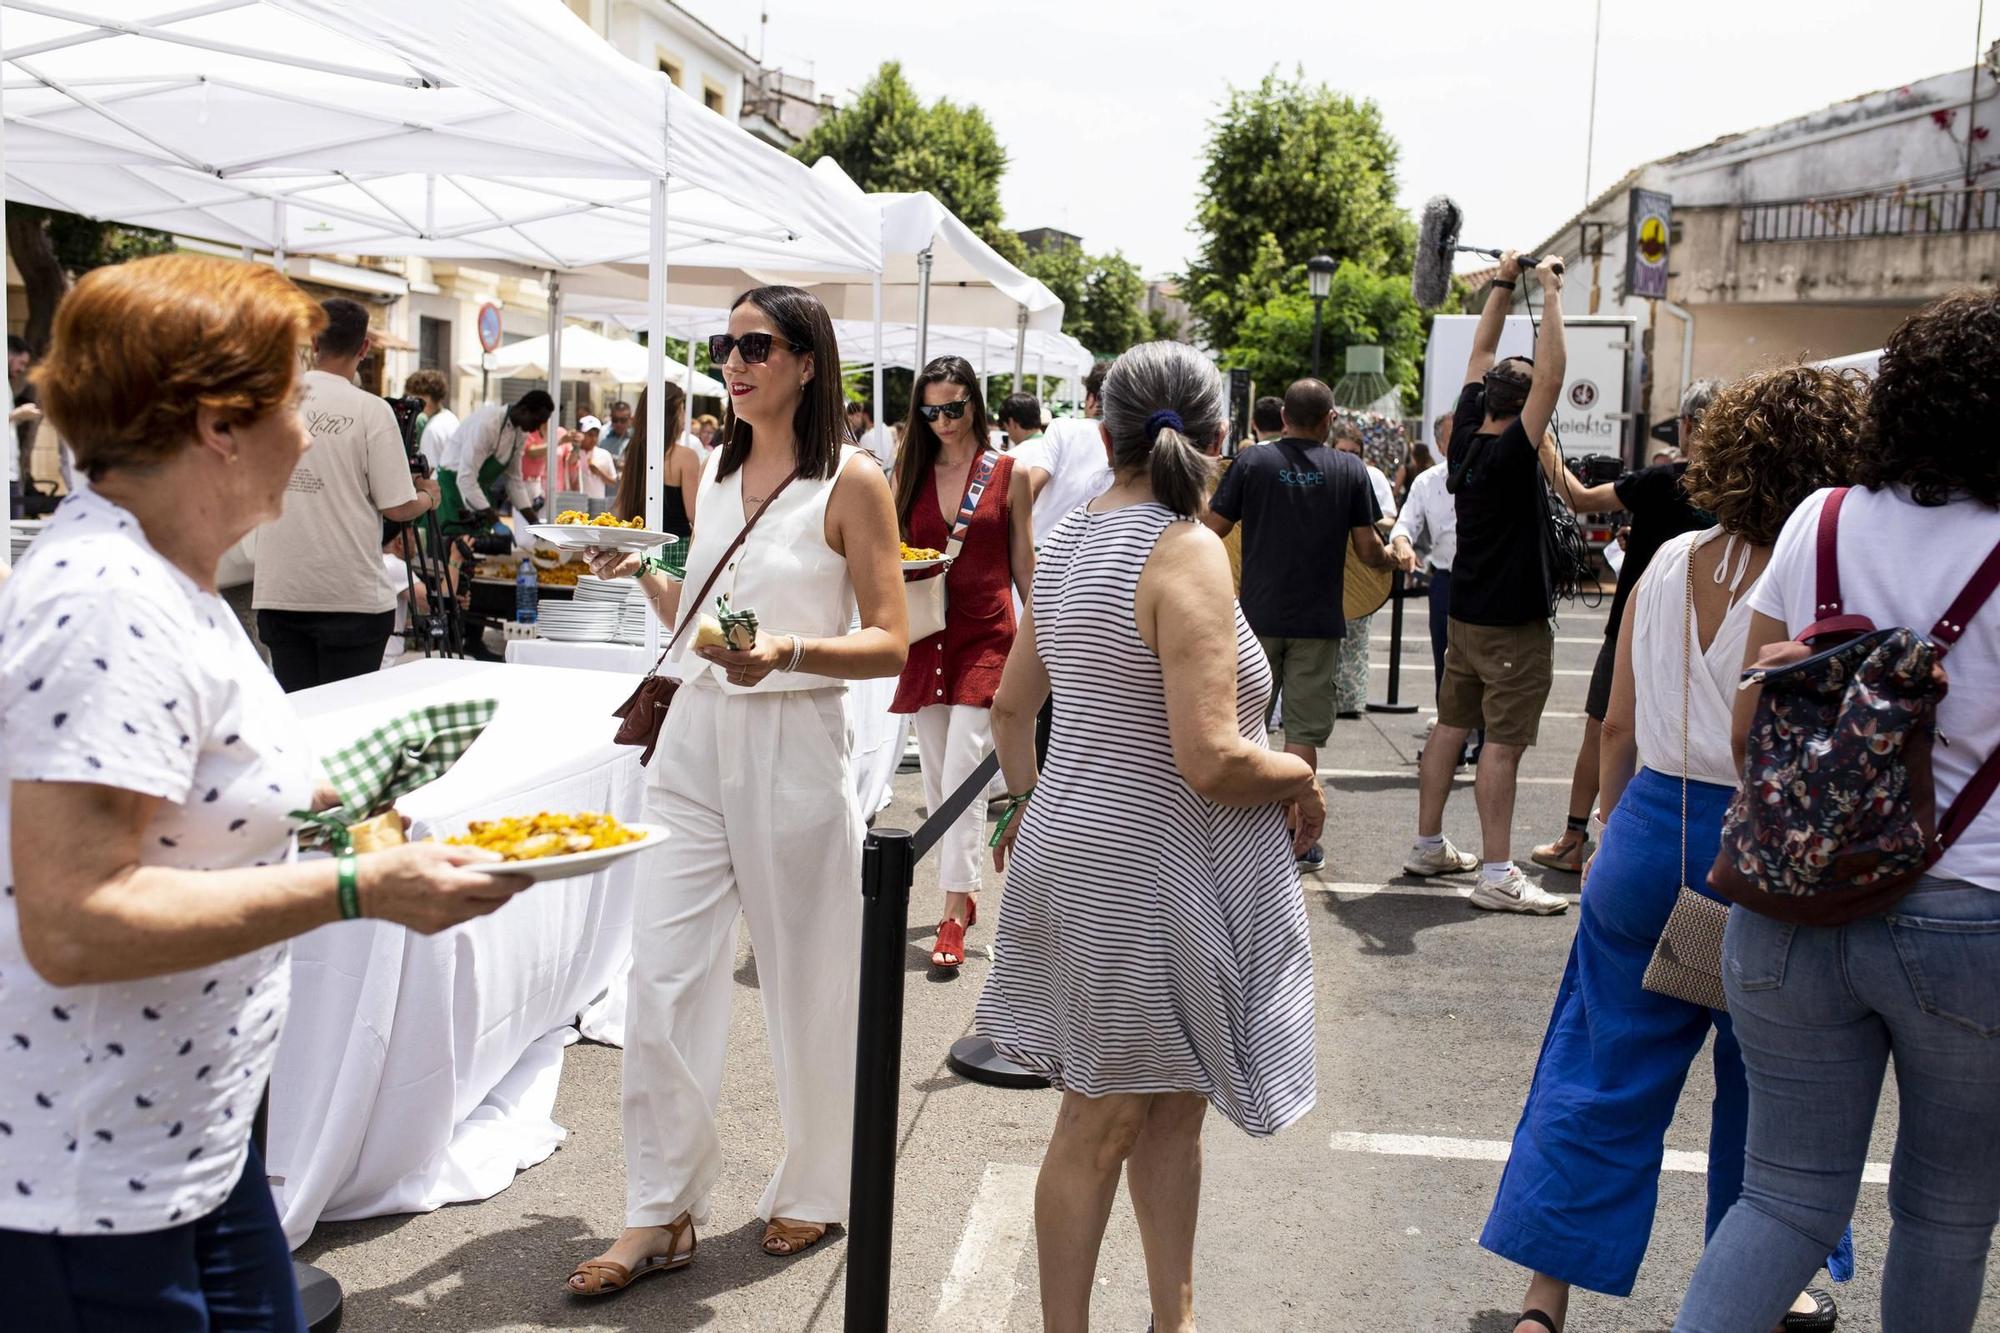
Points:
(1656, 499)
(1500, 656)
(323, 607)
(487, 450)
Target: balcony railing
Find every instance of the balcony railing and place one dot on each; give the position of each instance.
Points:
(1854, 216)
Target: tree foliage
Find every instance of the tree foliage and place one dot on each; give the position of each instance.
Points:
(1293, 170)
(1103, 296)
(52, 249)
(1363, 308)
(889, 140)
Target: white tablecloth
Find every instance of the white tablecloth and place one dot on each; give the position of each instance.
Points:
(878, 733)
(415, 1070)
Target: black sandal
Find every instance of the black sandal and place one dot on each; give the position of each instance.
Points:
(1536, 1317)
(1821, 1319)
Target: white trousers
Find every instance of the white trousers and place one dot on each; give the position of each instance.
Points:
(951, 740)
(757, 795)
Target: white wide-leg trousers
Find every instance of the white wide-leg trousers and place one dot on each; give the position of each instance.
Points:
(951, 740)
(756, 793)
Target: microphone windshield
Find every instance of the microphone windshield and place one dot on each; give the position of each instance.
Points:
(1437, 244)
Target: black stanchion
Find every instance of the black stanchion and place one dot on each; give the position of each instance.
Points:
(1398, 592)
(319, 1290)
(888, 865)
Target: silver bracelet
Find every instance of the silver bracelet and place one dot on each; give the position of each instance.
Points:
(798, 653)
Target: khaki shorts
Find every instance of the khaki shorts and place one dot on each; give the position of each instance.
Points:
(1302, 670)
(1497, 677)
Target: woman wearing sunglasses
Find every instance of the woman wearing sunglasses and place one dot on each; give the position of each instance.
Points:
(751, 778)
(952, 487)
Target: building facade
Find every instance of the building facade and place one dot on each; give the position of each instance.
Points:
(1813, 238)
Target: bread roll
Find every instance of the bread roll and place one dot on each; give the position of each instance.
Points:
(378, 834)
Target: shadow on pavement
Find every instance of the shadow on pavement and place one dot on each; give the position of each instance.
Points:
(514, 1277)
(1387, 924)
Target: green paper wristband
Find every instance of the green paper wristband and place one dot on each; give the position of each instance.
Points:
(348, 873)
(1014, 804)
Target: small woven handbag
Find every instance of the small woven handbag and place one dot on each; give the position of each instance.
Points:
(1687, 962)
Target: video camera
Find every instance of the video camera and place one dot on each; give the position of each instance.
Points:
(407, 409)
(1597, 469)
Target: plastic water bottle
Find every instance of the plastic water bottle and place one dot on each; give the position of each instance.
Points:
(527, 593)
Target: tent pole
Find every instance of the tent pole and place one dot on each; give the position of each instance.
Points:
(880, 409)
(656, 383)
(278, 230)
(688, 385)
(550, 479)
(923, 305)
(1041, 360)
(1020, 344)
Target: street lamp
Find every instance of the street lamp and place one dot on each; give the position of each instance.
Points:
(1319, 277)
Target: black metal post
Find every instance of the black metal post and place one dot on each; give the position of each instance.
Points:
(1318, 301)
(319, 1290)
(1398, 592)
(888, 866)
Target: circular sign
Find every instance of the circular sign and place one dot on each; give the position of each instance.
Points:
(1582, 394)
(1653, 238)
(489, 327)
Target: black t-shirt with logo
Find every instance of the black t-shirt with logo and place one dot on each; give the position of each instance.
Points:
(1500, 575)
(1298, 501)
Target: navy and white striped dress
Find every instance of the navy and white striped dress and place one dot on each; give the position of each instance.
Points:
(1149, 940)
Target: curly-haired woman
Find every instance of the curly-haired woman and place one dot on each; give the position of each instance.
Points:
(1820, 1010)
(1575, 1204)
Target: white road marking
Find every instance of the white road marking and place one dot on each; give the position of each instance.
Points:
(978, 1292)
(1559, 671)
(1410, 644)
(1497, 1150)
(1411, 775)
(1460, 886)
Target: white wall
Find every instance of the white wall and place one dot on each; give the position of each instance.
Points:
(652, 32)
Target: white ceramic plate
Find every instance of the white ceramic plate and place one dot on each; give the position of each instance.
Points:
(911, 566)
(578, 536)
(579, 863)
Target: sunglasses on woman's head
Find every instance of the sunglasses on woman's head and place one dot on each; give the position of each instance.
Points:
(953, 409)
(755, 347)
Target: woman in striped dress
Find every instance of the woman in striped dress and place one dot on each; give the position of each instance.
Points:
(1151, 956)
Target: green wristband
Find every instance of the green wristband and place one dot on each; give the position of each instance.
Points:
(347, 872)
(1014, 804)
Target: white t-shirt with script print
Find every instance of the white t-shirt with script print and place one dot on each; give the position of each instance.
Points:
(126, 1106)
(325, 552)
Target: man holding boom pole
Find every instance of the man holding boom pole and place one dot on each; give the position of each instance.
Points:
(1500, 660)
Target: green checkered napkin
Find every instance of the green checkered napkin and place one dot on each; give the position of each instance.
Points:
(402, 755)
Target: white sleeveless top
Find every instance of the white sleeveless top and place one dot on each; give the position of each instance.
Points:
(1658, 610)
(784, 571)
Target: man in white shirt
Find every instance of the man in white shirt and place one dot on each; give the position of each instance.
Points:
(875, 439)
(581, 465)
(1429, 522)
(1070, 466)
(486, 454)
(323, 608)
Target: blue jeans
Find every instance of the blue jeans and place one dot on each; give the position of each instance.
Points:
(1577, 1197)
(1819, 1012)
(230, 1270)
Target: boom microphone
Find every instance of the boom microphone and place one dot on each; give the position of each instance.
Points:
(1437, 244)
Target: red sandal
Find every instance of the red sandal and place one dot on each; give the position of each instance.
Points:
(948, 954)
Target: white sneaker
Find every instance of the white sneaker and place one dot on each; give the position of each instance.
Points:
(1516, 893)
(1446, 860)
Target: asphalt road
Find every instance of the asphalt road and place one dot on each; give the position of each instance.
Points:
(1362, 1216)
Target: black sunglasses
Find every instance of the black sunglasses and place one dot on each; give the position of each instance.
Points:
(953, 409)
(755, 347)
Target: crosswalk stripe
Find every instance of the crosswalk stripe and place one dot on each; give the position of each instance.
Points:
(1411, 775)
(1560, 671)
(1497, 1150)
(978, 1292)
(1459, 886)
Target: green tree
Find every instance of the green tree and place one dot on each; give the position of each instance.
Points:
(1293, 170)
(1103, 296)
(52, 249)
(889, 140)
(1366, 308)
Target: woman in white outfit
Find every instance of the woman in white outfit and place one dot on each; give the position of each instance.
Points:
(751, 778)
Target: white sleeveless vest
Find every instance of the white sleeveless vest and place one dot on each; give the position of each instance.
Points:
(785, 571)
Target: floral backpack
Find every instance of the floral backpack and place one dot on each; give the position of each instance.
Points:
(1837, 815)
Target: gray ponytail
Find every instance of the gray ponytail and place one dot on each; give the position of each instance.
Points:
(1159, 398)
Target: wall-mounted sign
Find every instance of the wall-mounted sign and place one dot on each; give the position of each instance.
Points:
(489, 327)
(1648, 237)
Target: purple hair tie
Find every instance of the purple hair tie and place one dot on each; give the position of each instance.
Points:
(1166, 416)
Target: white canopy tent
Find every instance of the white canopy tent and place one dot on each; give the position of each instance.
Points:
(591, 356)
(385, 127)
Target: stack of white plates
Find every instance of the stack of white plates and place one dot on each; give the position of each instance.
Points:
(21, 531)
(576, 622)
(626, 596)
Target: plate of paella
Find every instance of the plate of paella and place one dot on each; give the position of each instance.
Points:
(549, 846)
(577, 531)
(920, 557)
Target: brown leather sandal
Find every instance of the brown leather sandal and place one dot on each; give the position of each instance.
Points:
(609, 1276)
(785, 1239)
